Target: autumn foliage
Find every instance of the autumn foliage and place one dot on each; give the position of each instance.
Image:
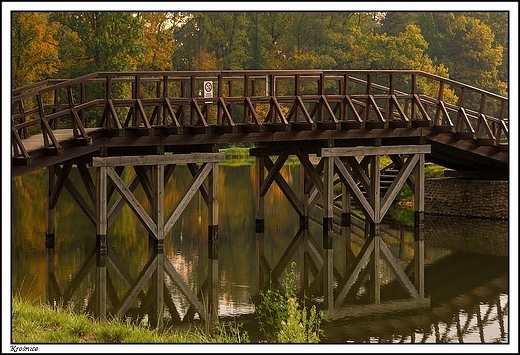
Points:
(469, 47)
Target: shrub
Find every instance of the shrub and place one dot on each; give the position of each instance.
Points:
(282, 318)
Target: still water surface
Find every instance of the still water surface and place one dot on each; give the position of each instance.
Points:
(466, 271)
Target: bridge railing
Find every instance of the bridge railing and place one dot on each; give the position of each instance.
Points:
(257, 100)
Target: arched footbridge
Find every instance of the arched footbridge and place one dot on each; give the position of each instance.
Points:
(139, 113)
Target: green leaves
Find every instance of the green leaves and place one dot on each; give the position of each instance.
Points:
(472, 47)
(284, 319)
(110, 41)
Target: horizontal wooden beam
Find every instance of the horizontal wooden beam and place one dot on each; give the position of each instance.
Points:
(382, 150)
(158, 159)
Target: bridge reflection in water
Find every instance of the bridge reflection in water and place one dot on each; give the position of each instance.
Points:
(467, 291)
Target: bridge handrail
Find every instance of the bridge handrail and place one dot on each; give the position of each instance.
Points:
(57, 83)
(476, 121)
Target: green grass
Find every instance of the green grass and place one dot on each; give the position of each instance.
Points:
(239, 156)
(431, 171)
(40, 323)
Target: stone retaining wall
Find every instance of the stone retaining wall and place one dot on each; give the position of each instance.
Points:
(468, 198)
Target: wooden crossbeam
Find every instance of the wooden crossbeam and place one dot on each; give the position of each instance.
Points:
(483, 129)
(325, 103)
(443, 117)
(417, 101)
(63, 175)
(120, 202)
(82, 202)
(87, 208)
(298, 103)
(193, 168)
(396, 185)
(273, 169)
(350, 104)
(158, 159)
(309, 168)
(132, 201)
(251, 108)
(463, 123)
(354, 189)
(358, 171)
(90, 187)
(201, 121)
(372, 150)
(142, 174)
(398, 161)
(172, 114)
(372, 102)
(195, 184)
(274, 173)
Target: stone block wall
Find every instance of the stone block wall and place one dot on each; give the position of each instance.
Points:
(466, 197)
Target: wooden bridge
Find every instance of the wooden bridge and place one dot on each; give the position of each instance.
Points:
(124, 113)
(152, 121)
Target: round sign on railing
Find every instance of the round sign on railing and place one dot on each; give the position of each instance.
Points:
(208, 89)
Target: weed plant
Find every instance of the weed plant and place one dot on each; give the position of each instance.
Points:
(283, 318)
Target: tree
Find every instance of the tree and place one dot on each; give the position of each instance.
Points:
(264, 31)
(498, 22)
(480, 59)
(466, 46)
(107, 41)
(224, 34)
(158, 40)
(34, 52)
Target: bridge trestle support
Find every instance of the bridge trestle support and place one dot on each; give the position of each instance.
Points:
(341, 165)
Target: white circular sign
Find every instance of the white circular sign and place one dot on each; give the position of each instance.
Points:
(208, 89)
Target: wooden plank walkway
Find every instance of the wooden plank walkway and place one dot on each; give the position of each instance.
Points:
(35, 142)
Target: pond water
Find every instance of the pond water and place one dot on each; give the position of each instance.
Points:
(466, 262)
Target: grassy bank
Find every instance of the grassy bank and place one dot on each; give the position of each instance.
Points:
(40, 323)
(238, 156)
(282, 318)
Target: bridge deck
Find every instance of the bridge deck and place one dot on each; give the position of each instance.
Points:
(35, 142)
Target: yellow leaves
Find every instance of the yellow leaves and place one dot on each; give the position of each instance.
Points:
(208, 61)
(158, 40)
(34, 48)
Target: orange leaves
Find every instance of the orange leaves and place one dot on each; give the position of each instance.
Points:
(34, 48)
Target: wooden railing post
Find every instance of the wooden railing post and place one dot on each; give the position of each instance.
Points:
(368, 101)
(165, 97)
(297, 93)
(246, 95)
(389, 102)
(321, 91)
(414, 91)
(219, 95)
(440, 98)
(193, 95)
